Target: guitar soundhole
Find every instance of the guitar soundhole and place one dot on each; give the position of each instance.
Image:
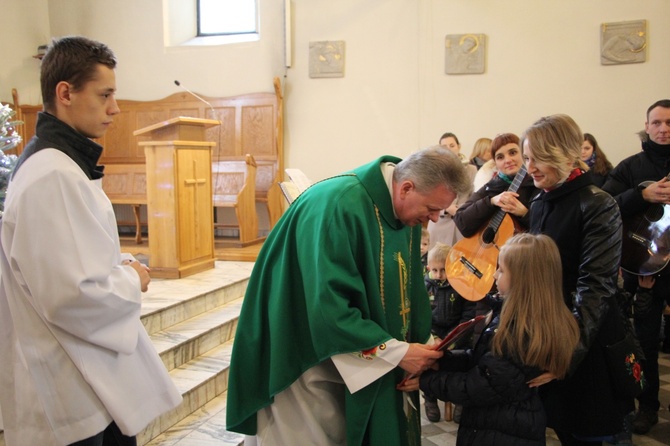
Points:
(654, 213)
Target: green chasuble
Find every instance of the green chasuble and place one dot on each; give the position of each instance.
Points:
(338, 274)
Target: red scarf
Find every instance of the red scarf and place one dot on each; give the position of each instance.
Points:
(574, 174)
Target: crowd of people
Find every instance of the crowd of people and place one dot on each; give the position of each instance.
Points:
(349, 294)
(557, 279)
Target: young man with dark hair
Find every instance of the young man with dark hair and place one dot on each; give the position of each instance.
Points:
(77, 364)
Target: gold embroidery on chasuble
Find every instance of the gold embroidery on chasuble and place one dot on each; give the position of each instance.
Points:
(381, 259)
(405, 305)
(403, 277)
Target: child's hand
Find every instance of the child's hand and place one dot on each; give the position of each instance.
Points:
(409, 385)
(646, 281)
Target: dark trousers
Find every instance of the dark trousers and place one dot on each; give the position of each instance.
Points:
(111, 436)
(567, 439)
(647, 330)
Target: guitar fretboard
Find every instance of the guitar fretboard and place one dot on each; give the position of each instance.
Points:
(494, 224)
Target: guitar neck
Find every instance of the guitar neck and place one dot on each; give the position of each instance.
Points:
(518, 179)
(516, 184)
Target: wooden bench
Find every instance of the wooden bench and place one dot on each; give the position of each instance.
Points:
(234, 184)
(127, 184)
(250, 124)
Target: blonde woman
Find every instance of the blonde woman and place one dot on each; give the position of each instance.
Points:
(585, 223)
(481, 152)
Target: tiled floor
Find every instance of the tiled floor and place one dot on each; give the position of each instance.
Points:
(444, 433)
(204, 427)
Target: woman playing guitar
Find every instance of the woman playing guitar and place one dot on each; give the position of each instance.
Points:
(488, 219)
(473, 215)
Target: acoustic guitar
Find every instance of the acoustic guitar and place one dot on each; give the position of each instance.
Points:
(472, 261)
(646, 240)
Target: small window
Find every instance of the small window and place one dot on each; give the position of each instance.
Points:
(226, 17)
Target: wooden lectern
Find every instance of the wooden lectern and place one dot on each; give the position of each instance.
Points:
(179, 196)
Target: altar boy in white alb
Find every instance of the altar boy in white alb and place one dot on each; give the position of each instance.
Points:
(77, 364)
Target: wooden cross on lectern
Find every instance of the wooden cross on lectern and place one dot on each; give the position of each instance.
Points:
(195, 182)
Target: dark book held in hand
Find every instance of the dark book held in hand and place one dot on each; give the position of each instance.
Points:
(459, 337)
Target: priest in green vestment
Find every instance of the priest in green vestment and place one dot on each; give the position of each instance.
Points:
(336, 310)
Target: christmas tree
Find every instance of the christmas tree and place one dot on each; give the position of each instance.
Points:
(9, 138)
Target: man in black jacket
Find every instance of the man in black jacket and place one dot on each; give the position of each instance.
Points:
(637, 183)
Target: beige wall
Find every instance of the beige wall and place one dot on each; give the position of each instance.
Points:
(24, 24)
(543, 58)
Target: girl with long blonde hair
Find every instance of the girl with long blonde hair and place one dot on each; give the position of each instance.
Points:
(536, 328)
(533, 334)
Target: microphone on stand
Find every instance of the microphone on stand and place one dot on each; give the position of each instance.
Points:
(218, 151)
(178, 84)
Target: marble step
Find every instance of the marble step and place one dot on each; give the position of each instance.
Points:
(185, 341)
(170, 302)
(200, 381)
(194, 338)
(204, 427)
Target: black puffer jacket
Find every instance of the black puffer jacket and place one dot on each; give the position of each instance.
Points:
(585, 223)
(652, 164)
(498, 406)
(478, 210)
(449, 307)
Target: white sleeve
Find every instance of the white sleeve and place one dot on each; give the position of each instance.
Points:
(362, 368)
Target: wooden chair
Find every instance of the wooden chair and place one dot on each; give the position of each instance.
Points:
(234, 186)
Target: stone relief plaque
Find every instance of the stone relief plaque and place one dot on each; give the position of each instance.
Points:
(465, 53)
(326, 59)
(623, 42)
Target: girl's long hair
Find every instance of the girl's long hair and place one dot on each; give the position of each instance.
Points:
(536, 327)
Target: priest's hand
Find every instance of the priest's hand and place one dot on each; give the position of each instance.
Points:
(143, 272)
(419, 358)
